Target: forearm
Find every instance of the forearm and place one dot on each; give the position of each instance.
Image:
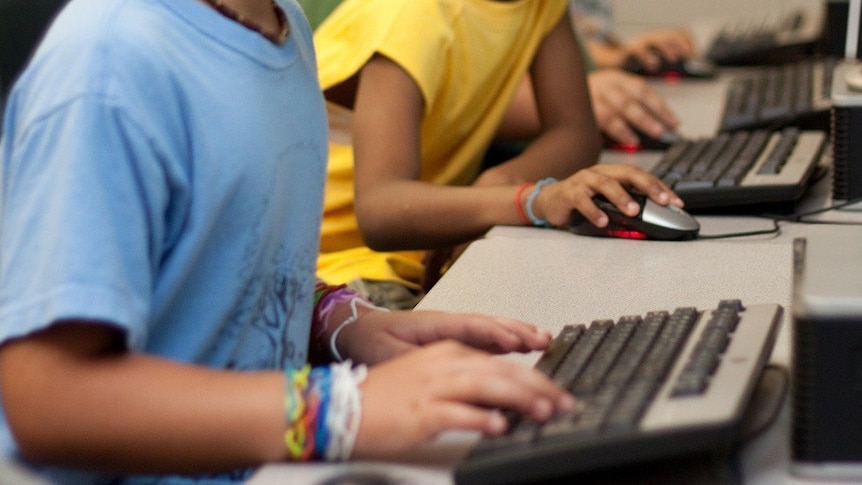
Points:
(605, 56)
(136, 414)
(568, 139)
(336, 307)
(407, 214)
(427, 216)
(557, 153)
(521, 120)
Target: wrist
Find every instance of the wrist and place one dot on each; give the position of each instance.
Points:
(359, 307)
(531, 200)
(336, 307)
(520, 202)
(322, 411)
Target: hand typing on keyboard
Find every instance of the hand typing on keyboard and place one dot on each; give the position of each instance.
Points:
(649, 386)
(435, 371)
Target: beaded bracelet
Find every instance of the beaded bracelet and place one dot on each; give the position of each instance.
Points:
(532, 197)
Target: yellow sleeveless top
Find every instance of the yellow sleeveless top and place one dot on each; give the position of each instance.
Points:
(466, 56)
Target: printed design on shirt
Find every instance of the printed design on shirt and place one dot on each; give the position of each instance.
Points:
(263, 323)
(270, 325)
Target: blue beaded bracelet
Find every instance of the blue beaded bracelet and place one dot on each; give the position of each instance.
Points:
(532, 197)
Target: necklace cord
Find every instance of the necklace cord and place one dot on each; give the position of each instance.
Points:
(275, 38)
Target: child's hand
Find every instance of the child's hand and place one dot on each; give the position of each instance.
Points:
(378, 336)
(623, 102)
(672, 45)
(557, 200)
(410, 400)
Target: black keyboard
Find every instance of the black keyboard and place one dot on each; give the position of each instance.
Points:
(650, 387)
(742, 169)
(763, 42)
(777, 96)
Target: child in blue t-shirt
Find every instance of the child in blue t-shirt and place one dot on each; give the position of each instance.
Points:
(162, 181)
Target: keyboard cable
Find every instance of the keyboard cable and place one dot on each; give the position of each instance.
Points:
(775, 231)
(799, 217)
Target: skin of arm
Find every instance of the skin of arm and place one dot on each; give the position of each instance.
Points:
(397, 211)
(673, 44)
(568, 138)
(73, 396)
(621, 101)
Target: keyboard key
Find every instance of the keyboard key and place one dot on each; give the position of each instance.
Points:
(782, 150)
(734, 169)
(776, 96)
(625, 365)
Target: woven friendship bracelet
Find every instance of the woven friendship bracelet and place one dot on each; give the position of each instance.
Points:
(322, 410)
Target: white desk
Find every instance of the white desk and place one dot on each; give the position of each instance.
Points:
(556, 278)
(551, 278)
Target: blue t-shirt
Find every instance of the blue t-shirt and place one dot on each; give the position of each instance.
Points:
(163, 170)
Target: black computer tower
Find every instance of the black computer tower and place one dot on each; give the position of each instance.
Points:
(846, 131)
(826, 362)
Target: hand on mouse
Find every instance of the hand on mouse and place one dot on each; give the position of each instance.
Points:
(557, 200)
(651, 47)
(410, 400)
(624, 102)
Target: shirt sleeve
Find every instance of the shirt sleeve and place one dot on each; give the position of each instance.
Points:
(413, 34)
(82, 196)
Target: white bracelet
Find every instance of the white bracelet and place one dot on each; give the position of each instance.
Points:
(354, 315)
(345, 409)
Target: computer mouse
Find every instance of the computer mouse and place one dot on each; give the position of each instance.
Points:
(360, 477)
(646, 141)
(653, 222)
(688, 68)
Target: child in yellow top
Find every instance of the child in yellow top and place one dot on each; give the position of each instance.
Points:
(416, 91)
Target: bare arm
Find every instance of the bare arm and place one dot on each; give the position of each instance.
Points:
(568, 138)
(671, 44)
(73, 397)
(624, 102)
(397, 211)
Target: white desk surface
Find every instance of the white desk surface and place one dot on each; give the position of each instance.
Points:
(551, 278)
